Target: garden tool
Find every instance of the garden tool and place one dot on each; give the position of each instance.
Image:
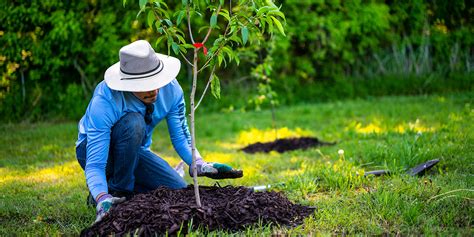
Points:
(415, 171)
(265, 187)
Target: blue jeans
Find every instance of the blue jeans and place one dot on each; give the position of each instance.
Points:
(130, 168)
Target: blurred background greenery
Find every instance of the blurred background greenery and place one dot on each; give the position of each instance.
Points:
(55, 52)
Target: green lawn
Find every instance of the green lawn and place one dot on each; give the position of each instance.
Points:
(44, 191)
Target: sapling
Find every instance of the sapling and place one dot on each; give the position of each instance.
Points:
(266, 94)
(231, 25)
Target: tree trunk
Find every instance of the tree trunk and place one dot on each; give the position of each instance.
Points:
(193, 134)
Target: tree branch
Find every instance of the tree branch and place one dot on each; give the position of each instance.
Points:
(189, 24)
(210, 28)
(207, 86)
(225, 33)
(186, 59)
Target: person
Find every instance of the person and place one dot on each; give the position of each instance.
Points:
(115, 133)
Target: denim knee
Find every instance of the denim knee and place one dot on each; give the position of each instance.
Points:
(131, 126)
(180, 184)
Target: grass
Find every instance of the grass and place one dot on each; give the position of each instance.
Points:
(44, 191)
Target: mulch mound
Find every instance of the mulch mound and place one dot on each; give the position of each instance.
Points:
(224, 208)
(285, 144)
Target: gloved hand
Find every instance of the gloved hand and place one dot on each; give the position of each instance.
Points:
(104, 204)
(212, 168)
(215, 170)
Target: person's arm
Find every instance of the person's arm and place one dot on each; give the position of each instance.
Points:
(181, 139)
(101, 118)
(179, 132)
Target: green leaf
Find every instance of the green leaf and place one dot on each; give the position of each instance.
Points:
(216, 87)
(277, 13)
(142, 4)
(157, 24)
(270, 25)
(184, 2)
(245, 34)
(182, 49)
(219, 59)
(262, 10)
(213, 20)
(180, 17)
(124, 2)
(279, 26)
(236, 38)
(158, 41)
(225, 14)
(150, 18)
(175, 47)
(188, 46)
(230, 54)
(237, 60)
(168, 22)
(178, 31)
(203, 28)
(164, 13)
(164, 4)
(181, 39)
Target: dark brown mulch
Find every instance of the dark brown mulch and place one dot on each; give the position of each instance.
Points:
(285, 144)
(224, 208)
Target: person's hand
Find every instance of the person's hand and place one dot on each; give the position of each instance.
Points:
(212, 168)
(104, 204)
(217, 170)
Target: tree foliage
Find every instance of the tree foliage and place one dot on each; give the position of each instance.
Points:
(54, 52)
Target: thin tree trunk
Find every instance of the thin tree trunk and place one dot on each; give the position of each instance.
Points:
(193, 134)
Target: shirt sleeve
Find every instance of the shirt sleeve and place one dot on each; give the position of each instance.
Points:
(179, 132)
(101, 117)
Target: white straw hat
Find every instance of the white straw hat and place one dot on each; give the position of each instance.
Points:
(141, 69)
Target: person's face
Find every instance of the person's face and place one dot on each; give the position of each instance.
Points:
(147, 97)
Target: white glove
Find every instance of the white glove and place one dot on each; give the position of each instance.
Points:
(104, 205)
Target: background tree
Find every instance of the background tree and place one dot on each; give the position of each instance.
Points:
(54, 52)
(231, 25)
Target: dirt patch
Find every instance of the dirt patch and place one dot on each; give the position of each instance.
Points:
(225, 208)
(286, 144)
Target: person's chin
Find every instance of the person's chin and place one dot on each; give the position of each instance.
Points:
(150, 101)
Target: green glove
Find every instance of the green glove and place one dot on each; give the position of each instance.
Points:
(218, 171)
(213, 168)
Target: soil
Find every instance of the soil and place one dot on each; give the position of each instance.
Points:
(286, 144)
(225, 208)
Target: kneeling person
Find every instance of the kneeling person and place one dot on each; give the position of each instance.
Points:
(113, 145)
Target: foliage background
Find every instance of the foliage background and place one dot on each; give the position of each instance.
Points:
(55, 52)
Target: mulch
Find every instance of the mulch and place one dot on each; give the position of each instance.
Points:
(223, 208)
(286, 144)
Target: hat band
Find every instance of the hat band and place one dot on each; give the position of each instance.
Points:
(155, 71)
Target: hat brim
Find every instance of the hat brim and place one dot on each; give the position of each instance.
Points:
(171, 66)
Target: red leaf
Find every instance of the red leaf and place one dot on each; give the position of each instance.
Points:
(201, 45)
(198, 45)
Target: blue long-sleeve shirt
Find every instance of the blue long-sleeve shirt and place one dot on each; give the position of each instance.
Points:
(107, 106)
